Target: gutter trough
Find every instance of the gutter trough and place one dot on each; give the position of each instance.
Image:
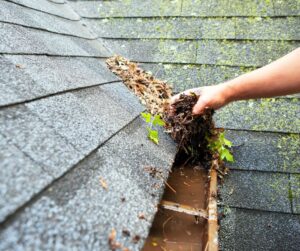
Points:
(187, 219)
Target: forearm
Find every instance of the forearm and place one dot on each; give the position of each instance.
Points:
(282, 77)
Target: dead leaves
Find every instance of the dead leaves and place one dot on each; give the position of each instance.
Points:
(113, 244)
(20, 66)
(191, 132)
(153, 93)
(142, 216)
(103, 183)
(154, 171)
(136, 239)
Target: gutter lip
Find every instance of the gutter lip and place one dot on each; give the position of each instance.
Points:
(212, 209)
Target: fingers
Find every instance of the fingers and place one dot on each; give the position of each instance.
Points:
(187, 92)
(200, 107)
(174, 98)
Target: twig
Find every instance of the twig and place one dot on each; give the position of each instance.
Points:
(212, 239)
(165, 223)
(169, 186)
(180, 208)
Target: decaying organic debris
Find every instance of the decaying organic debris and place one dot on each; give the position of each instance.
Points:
(153, 93)
(191, 132)
(188, 130)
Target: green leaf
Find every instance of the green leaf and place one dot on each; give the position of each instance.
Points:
(221, 136)
(227, 143)
(146, 116)
(225, 154)
(158, 121)
(153, 135)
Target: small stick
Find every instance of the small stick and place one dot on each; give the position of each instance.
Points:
(165, 223)
(180, 208)
(169, 186)
(212, 239)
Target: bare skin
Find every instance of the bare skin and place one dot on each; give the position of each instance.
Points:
(281, 77)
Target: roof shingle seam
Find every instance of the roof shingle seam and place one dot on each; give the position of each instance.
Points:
(10, 218)
(260, 171)
(253, 130)
(191, 17)
(27, 155)
(72, 90)
(203, 17)
(197, 39)
(257, 210)
(290, 192)
(56, 15)
(13, 12)
(259, 131)
(51, 55)
(48, 30)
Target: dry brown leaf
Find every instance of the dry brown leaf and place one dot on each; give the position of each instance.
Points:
(136, 239)
(153, 93)
(113, 244)
(142, 216)
(112, 235)
(20, 66)
(188, 130)
(103, 183)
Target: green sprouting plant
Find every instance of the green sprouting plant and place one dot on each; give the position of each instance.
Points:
(153, 121)
(220, 145)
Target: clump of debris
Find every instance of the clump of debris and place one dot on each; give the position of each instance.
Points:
(153, 93)
(191, 132)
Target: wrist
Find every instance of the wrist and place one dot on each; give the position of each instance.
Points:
(227, 90)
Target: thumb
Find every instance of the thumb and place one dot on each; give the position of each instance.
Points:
(199, 107)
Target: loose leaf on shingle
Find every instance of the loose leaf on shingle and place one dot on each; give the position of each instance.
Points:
(158, 121)
(225, 154)
(146, 116)
(153, 135)
(227, 143)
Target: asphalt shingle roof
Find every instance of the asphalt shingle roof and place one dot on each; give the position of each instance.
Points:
(198, 42)
(66, 124)
(66, 121)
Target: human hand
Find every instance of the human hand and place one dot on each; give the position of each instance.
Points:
(213, 97)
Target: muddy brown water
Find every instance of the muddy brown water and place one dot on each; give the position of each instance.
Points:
(174, 231)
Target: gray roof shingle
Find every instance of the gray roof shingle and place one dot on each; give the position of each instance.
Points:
(67, 121)
(32, 41)
(207, 42)
(77, 213)
(29, 77)
(259, 230)
(60, 10)
(16, 14)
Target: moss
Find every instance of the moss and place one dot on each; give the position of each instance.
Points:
(276, 115)
(289, 151)
(279, 188)
(226, 210)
